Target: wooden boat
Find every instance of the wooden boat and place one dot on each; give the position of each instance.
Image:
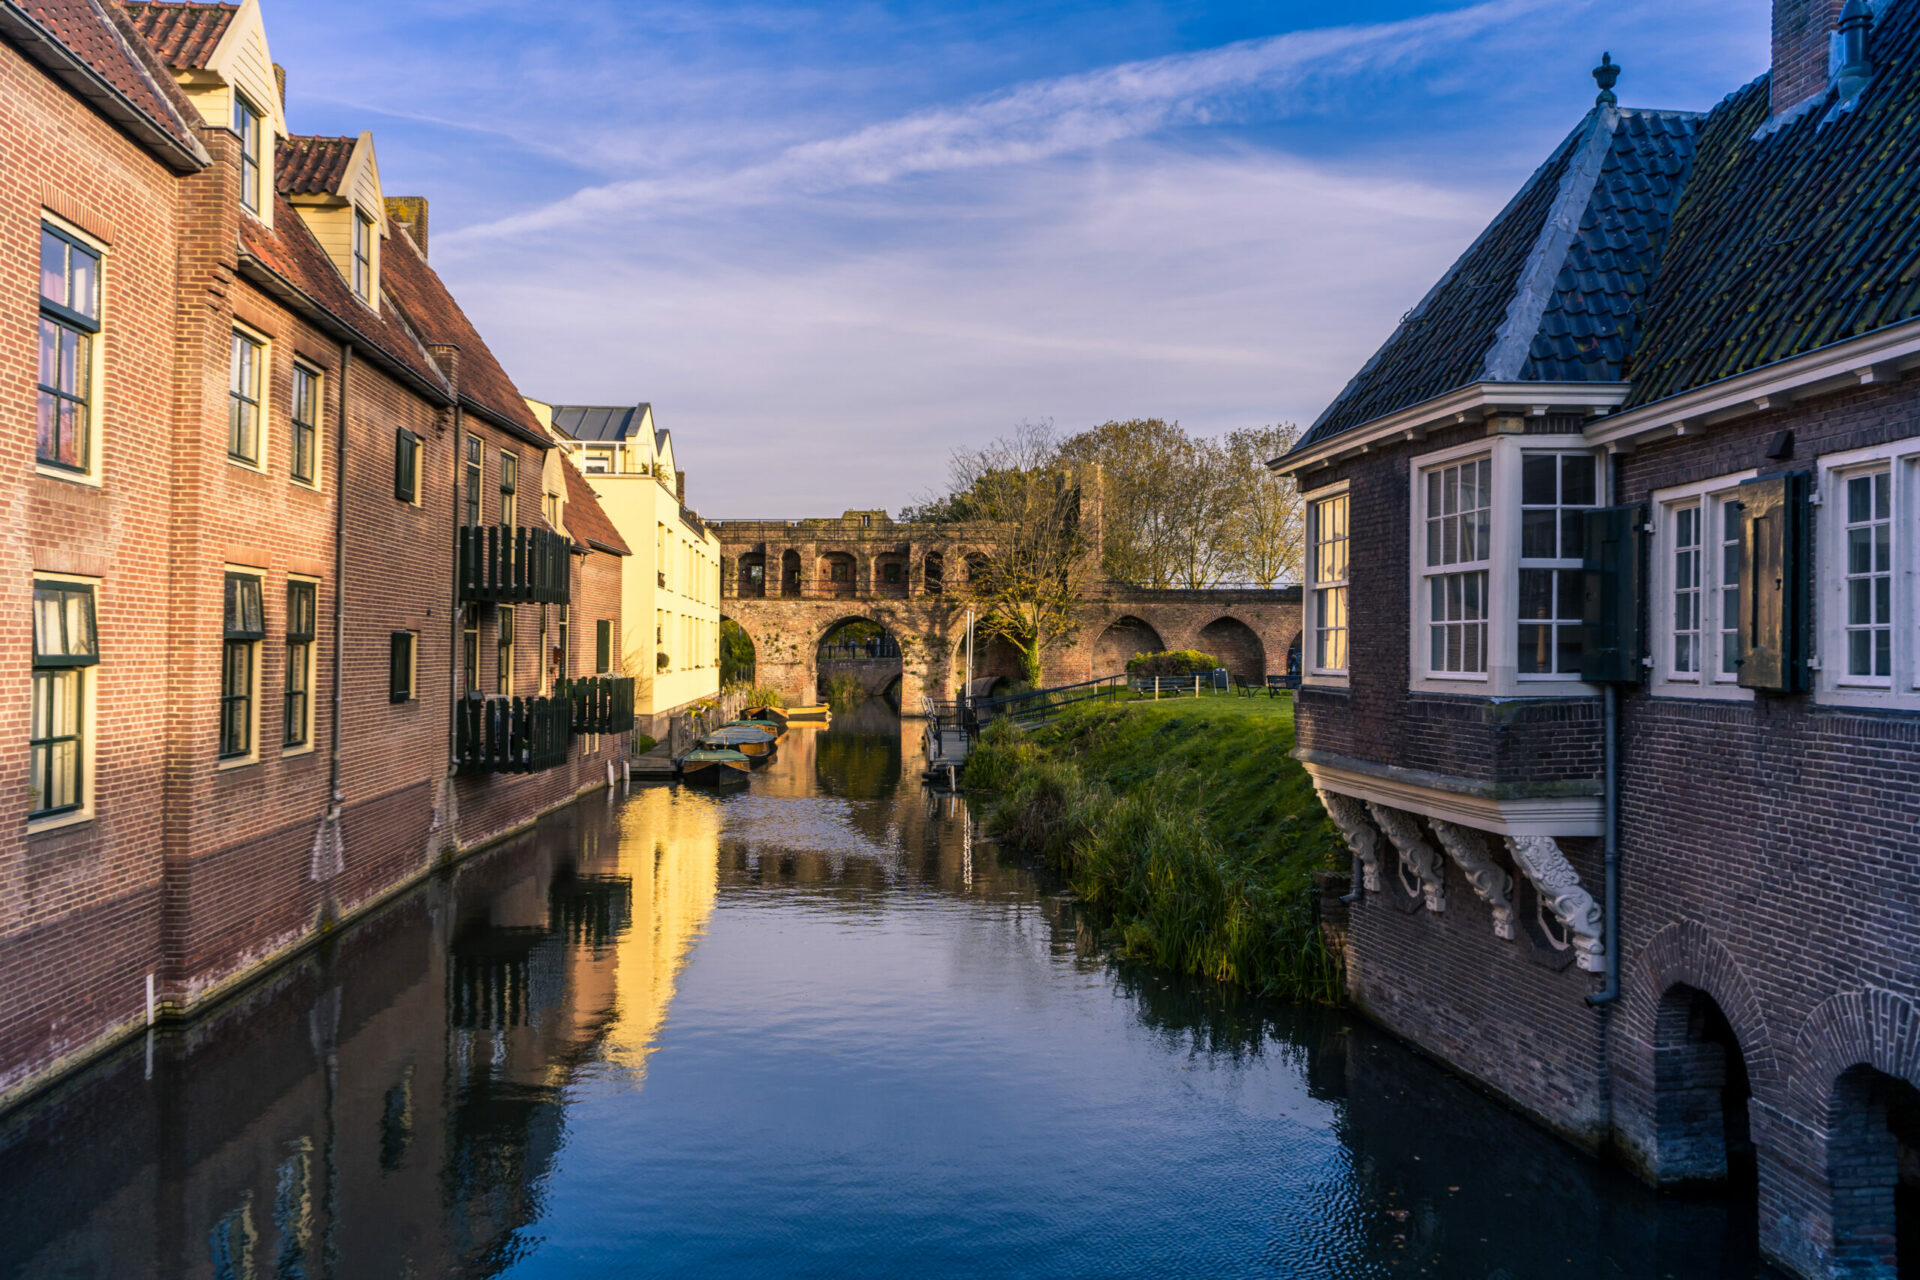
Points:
(772, 715)
(821, 713)
(714, 767)
(757, 742)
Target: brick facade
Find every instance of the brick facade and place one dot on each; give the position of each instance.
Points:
(185, 875)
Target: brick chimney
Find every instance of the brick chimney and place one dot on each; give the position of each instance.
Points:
(411, 213)
(1802, 40)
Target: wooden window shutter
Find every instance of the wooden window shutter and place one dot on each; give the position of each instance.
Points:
(1775, 556)
(1614, 644)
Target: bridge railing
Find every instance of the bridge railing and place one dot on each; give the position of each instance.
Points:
(1036, 704)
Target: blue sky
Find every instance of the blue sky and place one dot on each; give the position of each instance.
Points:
(830, 242)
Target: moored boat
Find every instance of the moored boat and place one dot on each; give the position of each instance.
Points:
(821, 713)
(714, 767)
(771, 715)
(756, 742)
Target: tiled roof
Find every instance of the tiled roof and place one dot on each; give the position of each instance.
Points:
(1551, 289)
(117, 72)
(437, 318)
(585, 520)
(308, 166)
(289, 251)
(184, 35)
(598, 422)
(1797, 240)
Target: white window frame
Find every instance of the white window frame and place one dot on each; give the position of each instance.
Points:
(94, 475)
(1310, 671)
(1501, 679)
(1832, 685)
(1710, 682)
(89, 711)
(366, 235)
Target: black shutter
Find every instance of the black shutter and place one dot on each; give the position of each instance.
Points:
(602, 645)
(406, 481)
(1613, 645)
(400, 667)
(1775, 555)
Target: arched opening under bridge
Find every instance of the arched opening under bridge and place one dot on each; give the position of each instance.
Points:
(1235, 646)
(857, 659)
(1123, 638)
(1873, 1162)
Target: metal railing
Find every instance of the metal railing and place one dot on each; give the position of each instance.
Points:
(884, 649)
(511, 735)
(509, 563)
(1038, 704)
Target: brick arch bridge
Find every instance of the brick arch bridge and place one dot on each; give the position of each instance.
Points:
(788, 583)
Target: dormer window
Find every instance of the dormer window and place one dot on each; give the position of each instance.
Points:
(362, 256)
(246, 125)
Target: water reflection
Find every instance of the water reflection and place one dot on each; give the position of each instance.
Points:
(818, 1028)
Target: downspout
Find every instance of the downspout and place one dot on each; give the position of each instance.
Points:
(336, 798)
(1610, 806)
(456, 638)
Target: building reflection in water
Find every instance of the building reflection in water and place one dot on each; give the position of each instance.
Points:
(397, 1103)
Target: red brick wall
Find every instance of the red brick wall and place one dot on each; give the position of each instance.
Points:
(1801, 30)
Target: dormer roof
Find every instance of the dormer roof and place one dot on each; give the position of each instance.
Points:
(1551, 290)
(313, 166)
(184, 35)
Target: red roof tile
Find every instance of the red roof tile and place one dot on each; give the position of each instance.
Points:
(184, 35)
(138, 93)
(437, 318)
(309, 166)
(287, 250)
(586, 521)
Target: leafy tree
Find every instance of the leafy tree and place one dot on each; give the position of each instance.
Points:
(737, 654)
(1265, 529)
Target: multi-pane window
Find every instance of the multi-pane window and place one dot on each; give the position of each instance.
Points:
(1688, 594)
(1459, 519)
(470, 648)
(1729, 588)
(69, 322)
(362, 256)
(297, 697)
(509, 486)
(503, 652)
(400, 666)
(1869, 578)
(406, 465)
(1556, 489)
(246, 124)
(1327, 525)
(245, 627)
(305, 416)
(243, 401)
(475, 452)
(65, 643)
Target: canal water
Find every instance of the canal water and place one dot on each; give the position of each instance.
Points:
(818, 1028)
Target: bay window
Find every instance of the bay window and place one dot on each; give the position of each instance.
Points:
(65, 644)
(1327, 528)
(1497, 565)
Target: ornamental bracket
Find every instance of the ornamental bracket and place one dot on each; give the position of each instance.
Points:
(1417, 857)
(1558, 885)
(1350, 816)
(1468, 848)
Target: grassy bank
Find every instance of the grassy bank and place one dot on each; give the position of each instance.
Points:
(1185, 825)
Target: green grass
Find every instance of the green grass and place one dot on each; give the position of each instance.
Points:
(1185, 824)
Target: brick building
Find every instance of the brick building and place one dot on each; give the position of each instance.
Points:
(1613, 568)
(299, 577)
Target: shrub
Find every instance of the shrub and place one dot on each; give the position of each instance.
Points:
(643, 743)
(844, 692)
(762, 695)
(1181, 662)
(660, 661)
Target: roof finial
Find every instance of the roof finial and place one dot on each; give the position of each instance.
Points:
(1606, 75)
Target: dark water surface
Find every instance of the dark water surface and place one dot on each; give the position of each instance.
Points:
(815, 1029)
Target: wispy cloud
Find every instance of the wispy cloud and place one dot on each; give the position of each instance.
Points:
(1039, 121)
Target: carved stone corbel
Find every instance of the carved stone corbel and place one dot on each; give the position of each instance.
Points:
(1558, 885)
(1468, 848)
(1417, 857)
(1350, 816)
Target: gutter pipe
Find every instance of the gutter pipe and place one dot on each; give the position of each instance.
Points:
(1610, 806)
(335, 798)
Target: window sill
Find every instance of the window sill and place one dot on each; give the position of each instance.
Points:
(237, 762)
(296, 753)
(1868, 699)
(1324, 680)
(86, 479)
(1716, 691)
(244, 465)
(311, 486)
(59, 821)
(1506, 688)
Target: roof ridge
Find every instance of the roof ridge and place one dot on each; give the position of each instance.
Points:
(1534, 290)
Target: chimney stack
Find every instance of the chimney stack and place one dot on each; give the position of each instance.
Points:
(280, 83)
(1803, 40)
(411, 213)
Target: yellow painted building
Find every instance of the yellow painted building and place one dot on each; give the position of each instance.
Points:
(670, 595)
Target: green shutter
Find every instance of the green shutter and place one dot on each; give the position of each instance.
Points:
(1614, 642)
(602, 645)
(1775, 556)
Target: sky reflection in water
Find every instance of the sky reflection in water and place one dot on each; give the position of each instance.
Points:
(816, 1029)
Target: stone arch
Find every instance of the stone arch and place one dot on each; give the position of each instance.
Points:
(976, 565)
(838, 572)
(1119, 640)
(1235, 646)
(1685, 955)
(1875, 1029)
(747, 631)
(789, 572)
(934, 573)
